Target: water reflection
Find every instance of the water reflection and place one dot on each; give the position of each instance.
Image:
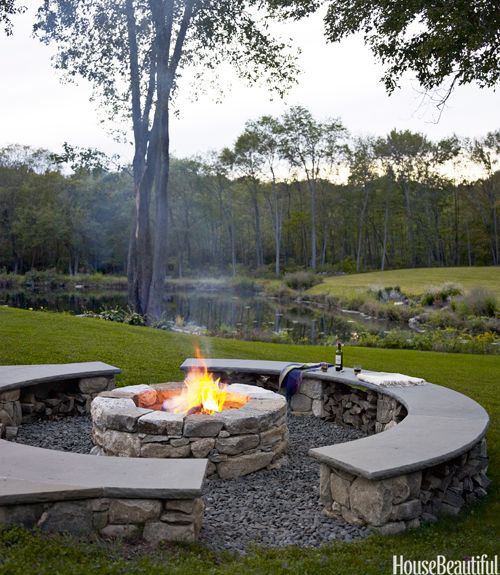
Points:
(245, 317)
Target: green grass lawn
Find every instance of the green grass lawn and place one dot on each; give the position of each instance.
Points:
(148, 355)
(413, 281)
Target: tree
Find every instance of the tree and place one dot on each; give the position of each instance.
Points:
(8, 9)
(217, 170)
(312, 147)
(485, 152)
(362, 174)
(268, 132)
(445, 40)
(403, 153)
(248, 162)
(132, 51)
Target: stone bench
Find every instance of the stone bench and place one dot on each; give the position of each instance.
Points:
(28, 392)
(155, 499)
(430, 458)
(55, 491)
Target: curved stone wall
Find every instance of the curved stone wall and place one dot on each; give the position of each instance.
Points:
(235, 441)
(433, 463)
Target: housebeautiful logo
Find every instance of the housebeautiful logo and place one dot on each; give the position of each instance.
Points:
(475, 565)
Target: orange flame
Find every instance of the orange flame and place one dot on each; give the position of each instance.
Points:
(202, 393)
(202, 390)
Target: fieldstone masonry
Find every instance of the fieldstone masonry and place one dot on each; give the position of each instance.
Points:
(244, 440)
(405, 501)
(48, 400)
(367, 410)
(154, 520)
(235, 441)
(389, 505)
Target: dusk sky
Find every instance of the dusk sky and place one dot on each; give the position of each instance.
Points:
(340, 80)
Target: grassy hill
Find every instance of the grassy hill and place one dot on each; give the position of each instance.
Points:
(413, 281)
(148, 355)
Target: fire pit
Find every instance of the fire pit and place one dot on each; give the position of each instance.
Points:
(239, 428)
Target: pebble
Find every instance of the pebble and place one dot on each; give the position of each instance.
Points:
(65, 434)
(271, 508)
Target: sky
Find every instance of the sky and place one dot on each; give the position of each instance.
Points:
(337, 80)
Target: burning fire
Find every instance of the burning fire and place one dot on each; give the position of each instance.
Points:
(202, 394)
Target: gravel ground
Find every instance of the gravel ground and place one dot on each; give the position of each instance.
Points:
(65, 434)
(272, 508)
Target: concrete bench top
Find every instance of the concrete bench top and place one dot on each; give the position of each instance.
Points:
(441, 423)
(35, 475)
(18, 376)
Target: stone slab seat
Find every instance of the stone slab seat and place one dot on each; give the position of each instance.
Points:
(19, 376)
(441, 423)
(36, 475)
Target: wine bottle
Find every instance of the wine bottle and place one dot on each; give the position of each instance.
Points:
(339, 357)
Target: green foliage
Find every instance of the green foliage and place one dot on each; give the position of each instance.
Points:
(414, 36)
(448, 340)
(389, 311)
(119, 314)
(150, 356)
(80, 222)
(9, 8)
(481, 302)
(52, 221)
(347, 265)
(440, 295)
(48, 277)
(301, 281)
(280, 291)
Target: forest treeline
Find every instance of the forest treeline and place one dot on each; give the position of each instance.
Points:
(291, 193)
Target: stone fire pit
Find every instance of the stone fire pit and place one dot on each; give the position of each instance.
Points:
(129, 422)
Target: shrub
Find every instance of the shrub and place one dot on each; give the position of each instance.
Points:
(440, 295)
(372, 308)
(347, 265)
(331, 301)
(449, 340)
(301, 281)
(280, 291)
(49, 277)
(356, 299)
(119, 314)
(112, 314)
(481, 302)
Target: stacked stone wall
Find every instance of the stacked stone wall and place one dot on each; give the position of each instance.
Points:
(364, 409)
(153, 520)
(235, 442)
(389, 505)
(48, 401)
(406, 501)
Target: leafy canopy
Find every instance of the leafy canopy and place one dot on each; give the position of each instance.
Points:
(92, 39)
(440, 40)
(8, 8)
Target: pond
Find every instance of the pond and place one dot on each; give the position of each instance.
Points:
(251, 317)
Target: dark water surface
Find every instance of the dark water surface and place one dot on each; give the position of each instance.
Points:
(213, 313)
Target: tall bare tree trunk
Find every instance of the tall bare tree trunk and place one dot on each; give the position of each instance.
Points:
(232, 237)
(361, 226)
(167, 64)
(312, 191)
(259, 250)
(139, 252)
(277, 229)
(384, 241)
(494, 231)
(409, 222)
(469, 251)
(276, 215)
(456, 221)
